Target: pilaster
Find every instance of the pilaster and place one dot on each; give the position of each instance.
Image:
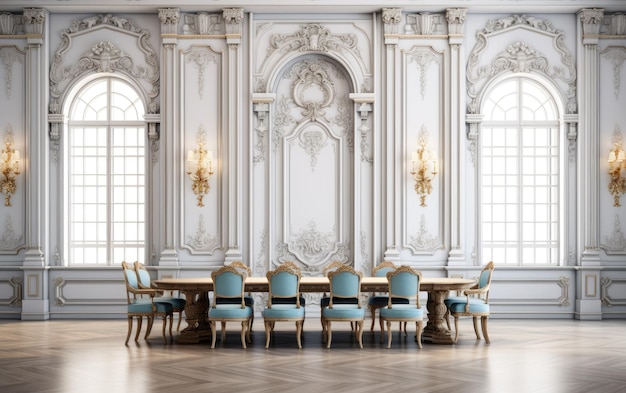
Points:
(456, 20)
(391, 18)
(233, 19)
(171, 152)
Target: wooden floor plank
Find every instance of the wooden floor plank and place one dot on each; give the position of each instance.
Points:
(524, 356)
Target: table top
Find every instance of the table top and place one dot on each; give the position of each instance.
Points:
(314, 284)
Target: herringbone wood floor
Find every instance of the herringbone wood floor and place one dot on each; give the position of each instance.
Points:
(524, 356)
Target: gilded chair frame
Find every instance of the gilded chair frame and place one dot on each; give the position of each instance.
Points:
(138, 266)
(285, 268)
(393, 292)
(324, 300)
(480, 292)
(356, 320)
(374, 307)
(135, 295)
(245, 320)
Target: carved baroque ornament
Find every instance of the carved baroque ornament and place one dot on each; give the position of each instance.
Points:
(202, 240)
(615, 243)
(616, 55)
(103, 57)
(9, 240)
(200, 59)
(314, 37)
(423, 241)
(8, 56)
(520, 57)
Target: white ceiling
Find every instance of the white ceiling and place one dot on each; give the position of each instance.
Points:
(312, 6)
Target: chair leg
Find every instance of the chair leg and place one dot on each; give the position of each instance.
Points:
(456, 328)
(223, 331)
(484, 325)
(405, 334)
(447, 318)
(476, 328)
(389, 333)
(171, 323)
(329, 334)
(299, 333)
(213, 334)
(149, 328)
(138, 332)
(373, 312)
(418, 335)
(130, 328)
(180, 318)
(359, 333)
(164, 327)
(243, 333)
(268, 329)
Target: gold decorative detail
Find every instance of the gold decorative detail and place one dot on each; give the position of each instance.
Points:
(199, 167)
(9, 167)
(617, 162)
(423, 168)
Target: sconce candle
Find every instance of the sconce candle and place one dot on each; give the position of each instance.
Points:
(199, 167)
(10, 168)
(424, 168)
(617, 162)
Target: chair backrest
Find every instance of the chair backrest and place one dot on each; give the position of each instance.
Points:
(143, 275)
(331, 267)
(382, 269)
(228, 282)
(345, 282)
(404, 282)
(130, 279)
(484, 280)
(239, 266)
(284, 282)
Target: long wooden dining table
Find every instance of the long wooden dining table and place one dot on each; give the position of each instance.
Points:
(197, 306)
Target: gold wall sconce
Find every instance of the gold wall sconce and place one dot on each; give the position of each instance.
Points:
(9, 168)
(199, 167)
(423, 169)
(617, 162)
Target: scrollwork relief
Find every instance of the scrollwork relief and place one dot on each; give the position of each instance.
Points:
(616, 55)
(312, 248)
(312, 142)
(615, 242)
(423, 240)
(202, 240)
(200, 59)
(9, 240)
(520, 57)
(314, 37)
(10, 55)
(423, 59)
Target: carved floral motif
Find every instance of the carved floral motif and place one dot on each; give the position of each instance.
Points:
(202, 240)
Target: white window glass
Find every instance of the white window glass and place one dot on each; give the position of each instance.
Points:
(520, 175)
(106, 175)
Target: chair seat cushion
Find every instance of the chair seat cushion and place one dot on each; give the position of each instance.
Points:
(382, 301)
(401, 311)
(146, 307)
(461, 299)
(288, 300)
(283, 311)
(229, 311)
(473, 308)
(235, 300)
(325, 301)
(177, 303)
(343, 311)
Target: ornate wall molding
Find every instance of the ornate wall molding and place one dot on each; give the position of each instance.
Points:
(615, 243)
(424, 241)
(200, 57)
(34, 19)
(423, 58)
(202, 240)
(169, 18)
(616, 55)
(61, 300)
(605, 285)
(520, 57)
(15, 300)
(10, 242)
(103, 56)
(562, 301)
(203, 23)
(9, 55)
(456, 20)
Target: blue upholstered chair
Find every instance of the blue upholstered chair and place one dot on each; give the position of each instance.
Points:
(248, 299)
(228, 283)
(404, 283)
(474, 303)
(284, 283)
(286, 300)
(345, 283)
(377, 301)
(141, 304)
(178, 304)
(325, 300)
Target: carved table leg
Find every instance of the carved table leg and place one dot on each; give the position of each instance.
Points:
(196, 315)
(436, 330)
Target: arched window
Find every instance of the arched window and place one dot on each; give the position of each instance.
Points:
(105, 174)
(521, 190)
